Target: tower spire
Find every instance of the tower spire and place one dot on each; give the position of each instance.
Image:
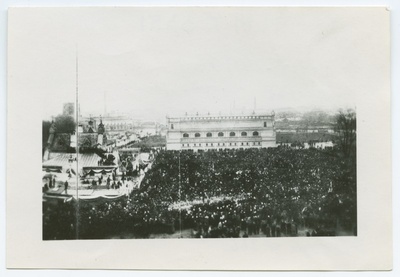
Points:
(105, 102)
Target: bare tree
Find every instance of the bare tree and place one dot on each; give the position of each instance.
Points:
(346, 129)
(344, 198)
(65, 124)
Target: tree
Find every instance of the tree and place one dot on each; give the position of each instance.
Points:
(345, 127)
(345, 200)
(45, 134)
(65, 124)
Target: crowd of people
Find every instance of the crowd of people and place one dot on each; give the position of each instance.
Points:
(312, 187)
(59, 221)
(236, 218)
(236, 193)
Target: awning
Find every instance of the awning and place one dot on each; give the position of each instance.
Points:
(71, 170)
(97, 170)
(100, 199)
(48, 175)
(47, 168)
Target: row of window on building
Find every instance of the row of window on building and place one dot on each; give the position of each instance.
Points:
(223, 117)
(222, 144)
(265, 125)
(221, 134)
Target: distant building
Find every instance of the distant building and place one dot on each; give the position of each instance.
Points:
(114, 123)
(87, 125)
(90, 137)
(69, 109)
(123, 123)
(221, 132)
(305, 129)
(149, 128)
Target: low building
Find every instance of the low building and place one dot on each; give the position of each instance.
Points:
(202, 132)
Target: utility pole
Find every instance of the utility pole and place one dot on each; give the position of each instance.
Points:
(105, 103)
(77, 145)
(180, 202)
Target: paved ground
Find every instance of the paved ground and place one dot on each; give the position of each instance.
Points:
(85, 190)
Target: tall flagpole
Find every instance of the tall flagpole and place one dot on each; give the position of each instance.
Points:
(77, 143)
(180, 200)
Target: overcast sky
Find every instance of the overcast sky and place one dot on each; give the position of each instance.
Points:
(154, 62)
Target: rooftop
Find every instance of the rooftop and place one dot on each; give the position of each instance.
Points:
(85, 160)
(188, 117)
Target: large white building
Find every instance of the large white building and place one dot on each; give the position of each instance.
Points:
(204, 132)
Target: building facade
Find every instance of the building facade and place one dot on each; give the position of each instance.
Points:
(221, 132)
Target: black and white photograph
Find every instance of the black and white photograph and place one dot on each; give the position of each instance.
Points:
(206, 137)
(180, 135)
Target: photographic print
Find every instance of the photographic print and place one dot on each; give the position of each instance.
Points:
(223, 130)
(238, 136)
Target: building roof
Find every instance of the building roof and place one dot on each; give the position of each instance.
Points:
(198, 117)
(84, 160)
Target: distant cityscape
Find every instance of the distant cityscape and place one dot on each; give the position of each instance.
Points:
(99, 165)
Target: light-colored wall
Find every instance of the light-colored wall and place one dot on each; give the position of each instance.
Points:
(177, 127)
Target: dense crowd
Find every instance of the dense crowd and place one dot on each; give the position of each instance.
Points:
(232, 193)
(59, 221)
(311, 187)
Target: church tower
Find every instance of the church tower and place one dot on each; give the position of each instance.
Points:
(101, 129)
(91, 128)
